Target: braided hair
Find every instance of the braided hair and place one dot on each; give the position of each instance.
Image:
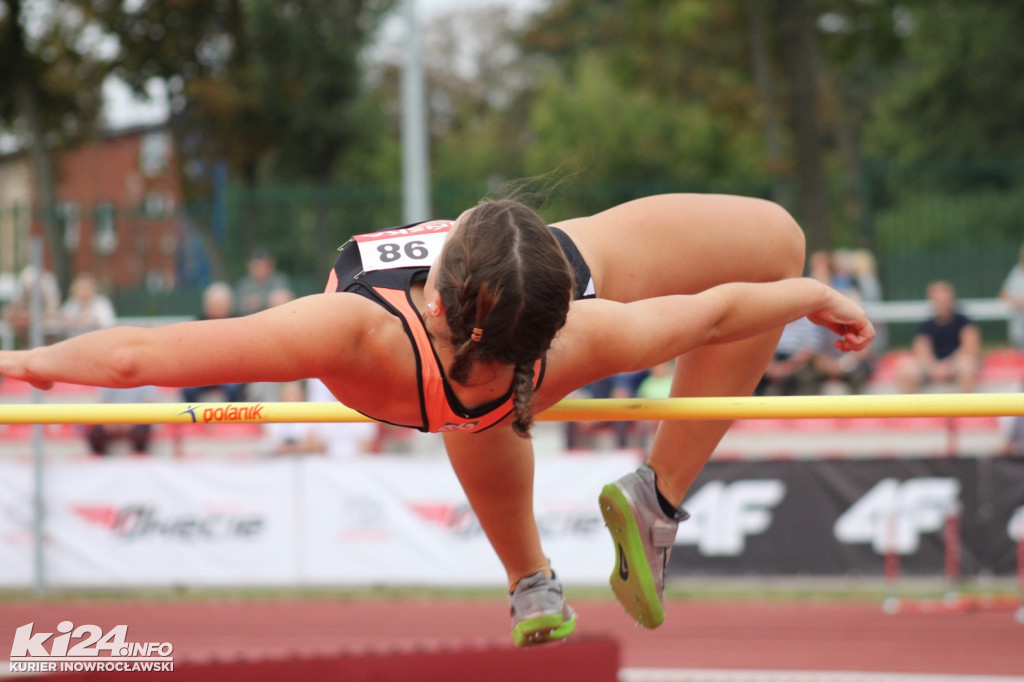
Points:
(506, 287)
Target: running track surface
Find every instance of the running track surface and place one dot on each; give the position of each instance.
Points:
(710, 635)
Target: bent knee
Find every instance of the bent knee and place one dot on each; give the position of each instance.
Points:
(788, 244)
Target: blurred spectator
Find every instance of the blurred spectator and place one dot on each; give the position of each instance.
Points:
(101, 436)
(842, 271)
(865, 278)
(295, 438)
(847, 271)
(836, 371)
(947, 346)
(791, 370)
(1012, 292)
(254, 289)
(865, 275)
(658, 382)
(342, 440)
(279, 296)
(600, 435)
(218, 304)
(18, 312)
(1013, 443)
(86, 309)
(820, 266)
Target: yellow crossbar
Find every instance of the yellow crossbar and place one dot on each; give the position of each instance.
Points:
(788, 407)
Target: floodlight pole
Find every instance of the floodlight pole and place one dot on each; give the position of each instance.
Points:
(415, 159)
(38, 505)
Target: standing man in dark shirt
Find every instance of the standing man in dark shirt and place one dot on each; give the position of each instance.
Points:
(947, 347)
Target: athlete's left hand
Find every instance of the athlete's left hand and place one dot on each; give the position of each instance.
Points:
(843, 316)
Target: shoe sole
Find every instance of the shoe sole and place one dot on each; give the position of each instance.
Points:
(543, 629)
(636, 591)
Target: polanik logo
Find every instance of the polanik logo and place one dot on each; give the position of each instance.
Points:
(28, 654)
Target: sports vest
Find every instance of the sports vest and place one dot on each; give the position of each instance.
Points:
(383, 266)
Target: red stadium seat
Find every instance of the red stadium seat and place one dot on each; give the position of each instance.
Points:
(1003, 364)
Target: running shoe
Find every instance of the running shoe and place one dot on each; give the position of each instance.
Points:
(643, 537)
(539, 611)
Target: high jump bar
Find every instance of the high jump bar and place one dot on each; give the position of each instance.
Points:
(780, 407)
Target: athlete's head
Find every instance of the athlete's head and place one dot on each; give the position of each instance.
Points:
(503, 274)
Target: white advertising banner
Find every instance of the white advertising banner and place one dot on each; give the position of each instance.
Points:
(150, 522)
(16, 548)
(386, 521)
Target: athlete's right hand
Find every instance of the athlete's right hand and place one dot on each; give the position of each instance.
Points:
(14, 365)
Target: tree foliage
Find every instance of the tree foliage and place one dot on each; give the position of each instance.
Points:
(958, 94)
(269, 85)
(642, 90)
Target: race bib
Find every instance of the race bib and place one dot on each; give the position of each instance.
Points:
(406, 247)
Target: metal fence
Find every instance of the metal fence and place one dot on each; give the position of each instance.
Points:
(961, 222)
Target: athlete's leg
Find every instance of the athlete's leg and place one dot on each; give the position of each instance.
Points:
(681, 244)
(495, 468)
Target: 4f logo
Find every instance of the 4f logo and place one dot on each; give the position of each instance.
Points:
(722, 515)
(893, 515)
(1015, 529)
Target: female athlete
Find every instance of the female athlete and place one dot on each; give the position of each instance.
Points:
(469, 328)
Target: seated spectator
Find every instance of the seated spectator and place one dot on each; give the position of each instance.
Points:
(218, 303)
(291, 438)
(947, 347)
(86, 310)
(18, 313)
(865, 275)
(1012, 292)
(791, 370)
(254, 290)
(849, 371)
(101, 436)
(598, 434)
(658, 382)
(344, 439)
(337, 440)
(869, 288)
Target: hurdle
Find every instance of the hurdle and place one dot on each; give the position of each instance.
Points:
(608, 409)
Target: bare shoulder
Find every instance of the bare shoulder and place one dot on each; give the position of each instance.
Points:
(329, 333)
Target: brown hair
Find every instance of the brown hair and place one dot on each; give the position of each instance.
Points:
(503, 274)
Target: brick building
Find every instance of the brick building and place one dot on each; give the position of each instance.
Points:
(116, 202)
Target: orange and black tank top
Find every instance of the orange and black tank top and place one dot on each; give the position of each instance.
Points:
(383, 266)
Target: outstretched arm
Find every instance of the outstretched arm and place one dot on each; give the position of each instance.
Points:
(621, 337)
(311, 336)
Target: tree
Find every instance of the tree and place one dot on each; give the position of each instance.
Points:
(800, 59)
(273, 89)
(49, 96)
(957, 94)
(268, 85)
(653, 91)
